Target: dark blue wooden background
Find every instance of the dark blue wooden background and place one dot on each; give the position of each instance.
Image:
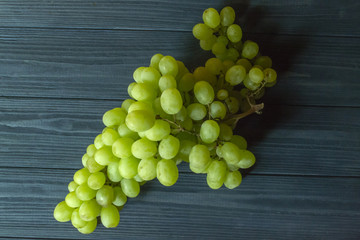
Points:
(64, 63)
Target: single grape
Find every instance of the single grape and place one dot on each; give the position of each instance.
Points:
(204, 92)
(199, 158)
(168, 65)
(187, 82)
(93, 166)
(226, 132)
(137, 74)
(110, 216)
(250, 84)
(217, 110)
(211, 17)
(223, 39)
(124, 131)
(72, 200)
(98, 143)
(216, 174)
(245, 63)
(155, 59)
(84, 192)
(96, 180)
(214, 66)
(232, 54)
(169, 147)
(222, 94)
(81, 176)
(150, 76)
(119, 197)
(233, 179)
(128, 167)
(235, 75)
(270, 75)
(144, 148)
(234, 33)
(62, 212)
(140, 120)
(250, 49)
(105, 195)
(171, 101)
(114, 117)
(140, 105)
(159, 131)
(72, 186)
(89, 210)
(89, 227)
(264, 61)
(231, 153)
(147, 168)
(76, 220)
(143, 92)
(247, 159)
(84, 159)
(113, 172)
(209, 131)
(103, 156)
(207, 44)
(256, 75)
(109, 136)
(227, 16)
(130, 187)
(167, 81)
(202, 32)
(167, 172)
(126, 104)
(90, 150)
(218, 48)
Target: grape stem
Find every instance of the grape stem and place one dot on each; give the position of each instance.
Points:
(179, 126)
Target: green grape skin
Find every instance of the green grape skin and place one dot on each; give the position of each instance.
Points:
(228, 64)
(81, 176)
(150, 76)
(72, 200)
(140, 105)
(182, 70)
(96, 180)
(90, 150)
(140, 120)
(114, 117)
(232, 54)
(216, 174)
(147, 168)
(168, 65)
(167, 81)
(270, 75)
(84, 159)
(159, 131)
(187, 82)
(72, 186)
(98, 143)
(130, 87)
(208, 43)
(234, 33)
(204, 92)
(222, 94)
(209, 131)
(110, 216)
(217, 110)
(105, 195)
(119, 197)
(167, 172)
(202, 74)
(130, 187)
(211, 17)
(233, 179)
(155, 59)
(199, 158)
(184, 150)
(143, 148)
(62, 212)
(245, 63)
(218, 48)
(250, 84)
(126, 104)
(137, 74)
(143, 92)
(181, 115)
(103, 156)
(231, 153)
(247, 159)
(171, 101)
(256, 75)
(250, 49)
(128, 167)
(270, 84)
(113, 173)
(89, 227)
(202, 32)
(227, 16)
(226, 132)
(239, 141)
(84, 192)
(259, 67)
(109, 136)
(169, 147)
(93, 166)
(223, 39)
(124, 131)
(214, 66)
(232, 104)
(263, 61)
(76, 221)
(235, 75)
(89, 210)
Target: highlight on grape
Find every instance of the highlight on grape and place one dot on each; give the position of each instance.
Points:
(173, 116)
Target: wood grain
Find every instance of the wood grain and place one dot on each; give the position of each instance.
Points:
(277, 16)
(52, 133)
(263, 207)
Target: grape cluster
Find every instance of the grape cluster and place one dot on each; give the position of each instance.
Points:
(173, 116)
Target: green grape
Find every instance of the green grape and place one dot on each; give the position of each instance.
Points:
(204, 92)
(185, 148)
(128, 167)
(167, 81)
(250, 84)
(233, 179)
(222, 94)
(209, 131)
(105, 195)
(155, 59)
(182, 70)
(208, 43)
(187, 82)
(90, 150)
(93, 166)
(130, 87)
(89, 210)
(113, 172)
(140, 120)
(168, 65)
(217, 110)
(259, 67)
(103, 155)
(202, 31)
(72, 186)
(81, 176)
(114, 116)
(238, 46)
(201, 74)
(137, 74)
(110, 216)
(109, 136)
(227, 16)
(159, 131)
(231, 153)
(144, 148)
(140, 105)
(264, 61)
(151, 76)
(89, 227)
(84, 192)
(98, 143)
(72, 200)
(126, 104)
(228, 64)
(256, 75)
(143, 92)
(84, 159)
(199, 158)
(211, 17)
(62, 212)
(271, 84)
(226, 132)
(232, 54)
(218, 48)
(234, 33)
(235, 75)
(169, 147)
(214, 66)
(130, 187)
(250, 49)
(245, 63)
(181, 115)
(167, 172)
(223, 39)
(216, 174)
(119, 197)
(138, 179)
(124, 131)
(270, 75)
(96, 180)
(76, 221)
(247, 159)
(147, 168)
(232, 104)
(171, 101)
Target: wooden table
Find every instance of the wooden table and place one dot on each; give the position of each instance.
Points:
(64, 63)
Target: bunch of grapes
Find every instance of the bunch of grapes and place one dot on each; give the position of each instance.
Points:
(173, 116)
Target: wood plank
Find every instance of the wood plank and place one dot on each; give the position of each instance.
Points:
(277, 16)
(73, 64)
(264, 207)
(51, 133)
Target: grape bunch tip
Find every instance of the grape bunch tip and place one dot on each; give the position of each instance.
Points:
(173, 116)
